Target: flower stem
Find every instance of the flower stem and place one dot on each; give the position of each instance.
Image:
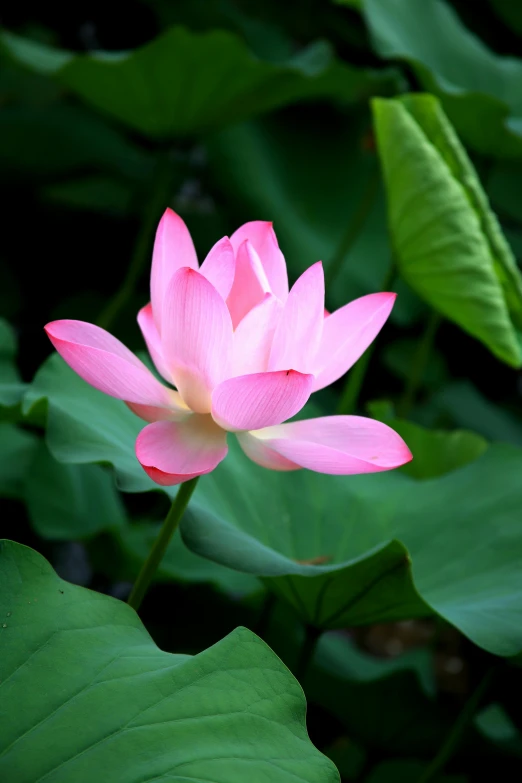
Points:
(420, 361)
(355, 225)
(161, 187)
(451, 742)
(306, 653)
(168, 528)
(355, 380)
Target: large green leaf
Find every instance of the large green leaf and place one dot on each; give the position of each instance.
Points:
(327, 207)
(184, 83)
(87, 695)
(479, 89)
(385, 546)
(448, 244)
(252, 519)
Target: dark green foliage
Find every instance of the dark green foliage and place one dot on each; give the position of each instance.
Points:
(383, 137)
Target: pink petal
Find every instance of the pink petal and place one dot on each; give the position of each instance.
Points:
(347, 333)
(172, 452)
(173, 249)
(253, 336)
(153, 340)
(298, 334)
(334, 444)
(250, 402)
(262, 237)
(150, 413)
(105, 363)
(250, 283)
(219, 266)
(261, 453)
(197, 337)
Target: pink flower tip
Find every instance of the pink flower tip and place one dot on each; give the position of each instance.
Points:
(52, 329)
(407, 456)
(170, 216)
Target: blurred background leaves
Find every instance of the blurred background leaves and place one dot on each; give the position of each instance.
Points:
(228, 113)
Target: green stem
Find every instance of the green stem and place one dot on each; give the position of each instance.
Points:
(161, 188)
(354, 228)
(451, 742)
(168, 528)
(420, 362)
(306, 654)
(355, 380)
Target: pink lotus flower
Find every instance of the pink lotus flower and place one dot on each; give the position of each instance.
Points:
(244, 354)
